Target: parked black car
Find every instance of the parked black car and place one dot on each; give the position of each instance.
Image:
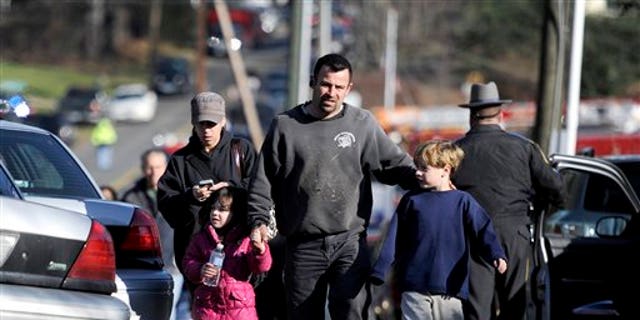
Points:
(171, 75)
(586, 263)
(55, 123)
(82, 105)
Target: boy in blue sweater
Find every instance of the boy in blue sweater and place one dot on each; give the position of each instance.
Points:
(430, 238)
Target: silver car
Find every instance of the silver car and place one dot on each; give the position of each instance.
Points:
(47, 171)
(54, 263)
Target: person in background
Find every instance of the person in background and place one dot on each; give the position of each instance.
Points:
(108, 192)
(212, 153)
(506, 174)
(103, 138)
(153, 163)
(233, 297)
(430, 236)
(143, 193)
(316, 165)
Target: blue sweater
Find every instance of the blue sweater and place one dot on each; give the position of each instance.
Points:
(429, 241)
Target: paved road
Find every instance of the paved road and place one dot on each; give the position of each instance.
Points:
(133, 139)
(173, 117)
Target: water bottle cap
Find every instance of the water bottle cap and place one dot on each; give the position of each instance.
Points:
(220, 246)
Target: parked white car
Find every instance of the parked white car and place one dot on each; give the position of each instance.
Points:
(46, 171)
(54, 263)
(133, 102)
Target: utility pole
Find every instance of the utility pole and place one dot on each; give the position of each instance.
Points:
(546, 130)
(300, 52)
(390, 60)
(201, 25)
(240, 74)
(155, 20)
(95, 42)
(324, 34)
(575, 74)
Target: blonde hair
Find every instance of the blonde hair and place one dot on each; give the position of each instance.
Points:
(439, 154)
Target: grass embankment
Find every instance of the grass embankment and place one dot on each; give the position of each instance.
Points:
(44, 85)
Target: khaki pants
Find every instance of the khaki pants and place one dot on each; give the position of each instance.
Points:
(415, 305)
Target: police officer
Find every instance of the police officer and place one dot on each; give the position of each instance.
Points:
(503, 171)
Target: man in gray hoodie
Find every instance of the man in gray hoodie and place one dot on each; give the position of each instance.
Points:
(316, 166)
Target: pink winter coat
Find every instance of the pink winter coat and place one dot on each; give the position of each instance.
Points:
(234, 297)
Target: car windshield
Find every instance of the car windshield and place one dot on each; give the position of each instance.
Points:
(171, 65)
(128, 95)
(80, 94)
(41, 166)
(77, 99)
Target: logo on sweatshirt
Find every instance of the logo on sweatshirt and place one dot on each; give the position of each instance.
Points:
(344, 139)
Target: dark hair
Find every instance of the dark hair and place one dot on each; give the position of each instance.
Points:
(486, 112)
(110, 189)
(334, 61)
(238, 197)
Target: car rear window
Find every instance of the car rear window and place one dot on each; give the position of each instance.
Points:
(172, 65)
(81, 93)
(40, 166)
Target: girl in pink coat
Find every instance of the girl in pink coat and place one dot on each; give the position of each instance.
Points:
(234, 297)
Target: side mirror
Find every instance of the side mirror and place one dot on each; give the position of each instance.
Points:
(611, 226)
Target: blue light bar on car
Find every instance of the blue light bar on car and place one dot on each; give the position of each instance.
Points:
(15, 104)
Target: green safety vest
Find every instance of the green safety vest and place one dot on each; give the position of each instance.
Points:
(104, 133)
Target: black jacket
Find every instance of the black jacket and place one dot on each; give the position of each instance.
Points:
(186, 167)
(506, 173)
(138, 195)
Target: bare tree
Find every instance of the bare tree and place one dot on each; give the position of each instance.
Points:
(95, 17)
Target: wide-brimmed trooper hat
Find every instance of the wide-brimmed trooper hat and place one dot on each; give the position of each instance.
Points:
(484, 95)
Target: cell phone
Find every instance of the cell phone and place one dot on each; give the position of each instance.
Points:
(205, 183)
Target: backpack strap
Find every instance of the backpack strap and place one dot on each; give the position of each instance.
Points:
(238, 160)
(238, 157)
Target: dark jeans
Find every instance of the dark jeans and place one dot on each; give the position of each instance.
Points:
(337, 263)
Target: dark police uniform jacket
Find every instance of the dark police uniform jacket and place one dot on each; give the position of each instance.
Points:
(506, 173)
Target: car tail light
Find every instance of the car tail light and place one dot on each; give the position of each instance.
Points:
(143, 237)
(97, 260)
(8, 241)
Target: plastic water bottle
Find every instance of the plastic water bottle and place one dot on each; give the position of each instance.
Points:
(216, 258)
